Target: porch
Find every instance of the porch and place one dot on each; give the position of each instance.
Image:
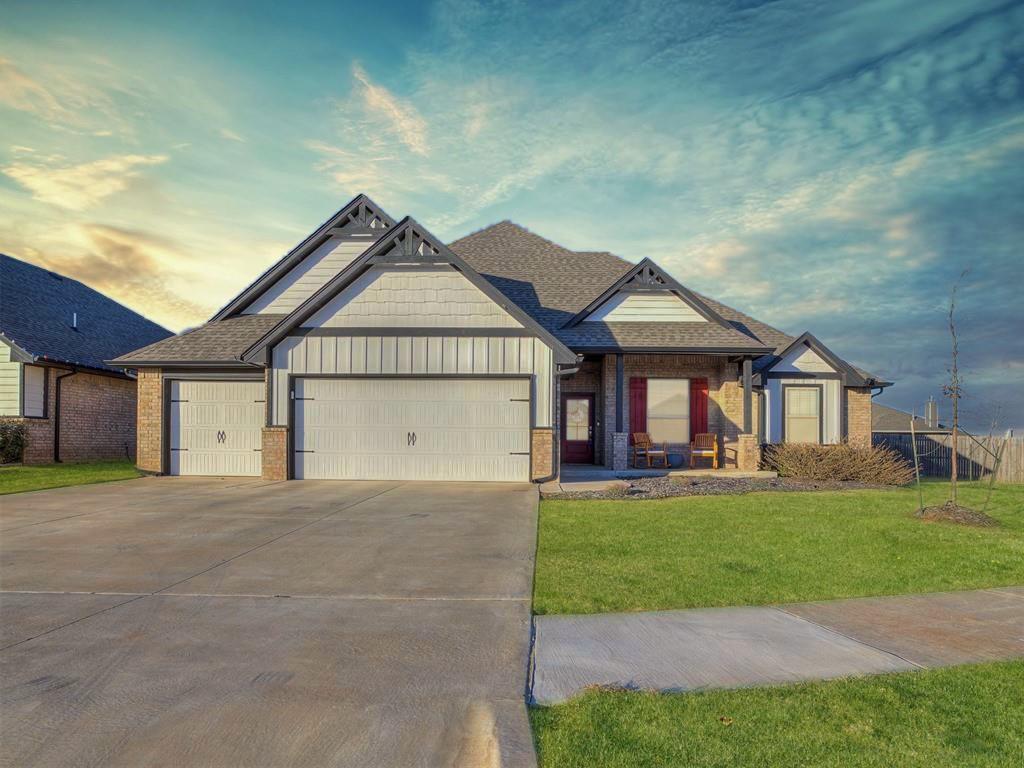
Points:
(670, 396)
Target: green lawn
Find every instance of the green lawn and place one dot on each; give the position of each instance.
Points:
(599, 556)
(35, 478)
(957, 716)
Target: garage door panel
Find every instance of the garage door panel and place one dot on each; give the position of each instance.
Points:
(216, 427)
(464, 429)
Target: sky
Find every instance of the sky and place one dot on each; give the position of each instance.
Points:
(823, 166)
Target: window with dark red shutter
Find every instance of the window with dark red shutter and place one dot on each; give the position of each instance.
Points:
(637, 406)
(698, 406)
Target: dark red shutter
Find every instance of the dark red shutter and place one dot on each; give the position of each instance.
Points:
(698, 406)
(637, 406)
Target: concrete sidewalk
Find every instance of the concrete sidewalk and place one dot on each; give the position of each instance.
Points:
(763, 645)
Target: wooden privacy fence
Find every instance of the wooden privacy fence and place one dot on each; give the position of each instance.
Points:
(935, 454)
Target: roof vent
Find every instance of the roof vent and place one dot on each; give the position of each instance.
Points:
(74, 320)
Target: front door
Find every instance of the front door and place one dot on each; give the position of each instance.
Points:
(578, 429)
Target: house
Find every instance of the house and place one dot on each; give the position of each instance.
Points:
(55, 336)
(374, 350)
(890, 421)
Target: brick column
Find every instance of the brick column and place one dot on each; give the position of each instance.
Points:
(275, 453)
(858, 417)
(620, 451)
(540, 452)
(150, 421)
(748, 452)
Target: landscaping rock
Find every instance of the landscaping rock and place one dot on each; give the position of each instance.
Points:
(954, 513)
(665, 487)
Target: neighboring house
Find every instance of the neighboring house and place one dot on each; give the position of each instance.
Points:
(373, 350)
(890, 421)
(55, 336)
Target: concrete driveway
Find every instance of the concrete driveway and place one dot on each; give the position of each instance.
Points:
(220, 622)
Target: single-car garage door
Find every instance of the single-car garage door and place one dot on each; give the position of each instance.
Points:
(216, 427)
(412, 429)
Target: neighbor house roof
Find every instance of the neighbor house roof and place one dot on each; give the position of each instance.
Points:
(886, 419)
(37, 318)
(218, 341)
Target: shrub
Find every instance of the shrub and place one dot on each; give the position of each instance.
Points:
(12, 442)
(877, 465)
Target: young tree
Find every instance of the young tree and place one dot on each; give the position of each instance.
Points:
(954, 390)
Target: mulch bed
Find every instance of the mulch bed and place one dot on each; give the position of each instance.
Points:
(954, 513)
(665, 487)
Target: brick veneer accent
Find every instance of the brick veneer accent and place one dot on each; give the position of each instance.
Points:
(725, 397)
(97, 419)
(858, 417)
(150, 409)
(275, 453)
(748, 453)
(540, 451)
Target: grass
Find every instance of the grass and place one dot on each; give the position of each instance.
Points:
(600, 556)
(966, 716)
(34, 478)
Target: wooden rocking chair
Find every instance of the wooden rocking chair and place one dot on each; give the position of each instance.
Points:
(644, 447)
(704, 446)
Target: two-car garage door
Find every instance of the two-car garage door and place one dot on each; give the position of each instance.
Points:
(412, 429)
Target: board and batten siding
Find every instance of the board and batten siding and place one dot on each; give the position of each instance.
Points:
(309, 275)
(646, 307)
(831, 407)
(10, 383)
(413, 298)
(415, 355)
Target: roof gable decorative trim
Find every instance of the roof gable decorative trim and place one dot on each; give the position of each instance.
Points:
(359, 216)
(649, 277)
(406, 243)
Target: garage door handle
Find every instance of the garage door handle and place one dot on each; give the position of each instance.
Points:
(410, 438)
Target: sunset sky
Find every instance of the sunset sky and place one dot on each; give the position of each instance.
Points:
(824, 166)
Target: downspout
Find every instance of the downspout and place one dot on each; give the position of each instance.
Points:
(56, 414)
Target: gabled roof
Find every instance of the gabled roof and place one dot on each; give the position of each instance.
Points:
(407, 242)
(359, 216)
(886, 419)
(852, 376)
(217, 343)
(555, 285)
(37, 309)
(648, 276)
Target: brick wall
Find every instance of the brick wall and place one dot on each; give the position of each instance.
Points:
(150, 410)
(275, 453)
(97, 419)
(725, 397)
(540, 448)
(858, 416)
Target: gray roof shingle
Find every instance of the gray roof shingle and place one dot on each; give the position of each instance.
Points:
(36, 310)
(553, 284)
(886, 419)
(217, 341)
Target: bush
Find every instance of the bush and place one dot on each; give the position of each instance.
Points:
(12, 442)
(877, 465)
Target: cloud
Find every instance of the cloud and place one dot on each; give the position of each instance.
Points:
(230, 135)
(81, 186)
(21, 92)
(131, 266)
(402, 119)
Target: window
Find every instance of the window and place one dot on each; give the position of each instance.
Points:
(35, 391)
(668, 410)
(803, 414)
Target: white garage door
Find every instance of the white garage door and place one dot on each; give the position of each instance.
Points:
(216, 427)
(412, 429)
